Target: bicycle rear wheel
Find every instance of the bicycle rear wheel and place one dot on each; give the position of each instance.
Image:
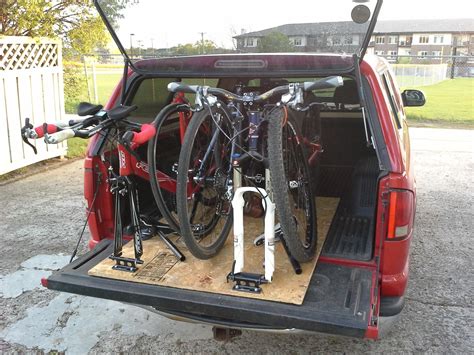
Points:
(291, 185)
(204, 173)
(161, 158)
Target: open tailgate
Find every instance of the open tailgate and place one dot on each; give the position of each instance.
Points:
(338, 301)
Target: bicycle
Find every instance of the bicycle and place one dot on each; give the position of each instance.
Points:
(127, 136)
(215, 158)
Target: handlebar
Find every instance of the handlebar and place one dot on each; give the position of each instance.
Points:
(83, 127)
(60, 136)
(205, 91)
(48, 128)
(147, 131)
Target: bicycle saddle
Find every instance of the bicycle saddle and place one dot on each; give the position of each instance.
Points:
(87, 109)
(120, 112)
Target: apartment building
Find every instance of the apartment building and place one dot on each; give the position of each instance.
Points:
(423, 38)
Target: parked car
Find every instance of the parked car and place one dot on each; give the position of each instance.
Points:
(361, 277)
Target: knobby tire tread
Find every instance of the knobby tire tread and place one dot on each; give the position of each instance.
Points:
(181, 194)
(280, 188)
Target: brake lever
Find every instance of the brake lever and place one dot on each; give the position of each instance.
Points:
(26, 133)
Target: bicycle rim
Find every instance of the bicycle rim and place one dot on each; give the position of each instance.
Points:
(167, 135)
(204, 208)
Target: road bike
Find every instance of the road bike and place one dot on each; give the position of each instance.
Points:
(125, 136)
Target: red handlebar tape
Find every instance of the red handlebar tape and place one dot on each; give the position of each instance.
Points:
(51, 129)
(146, 133)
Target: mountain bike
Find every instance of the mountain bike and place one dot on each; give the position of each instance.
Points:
(231, 139)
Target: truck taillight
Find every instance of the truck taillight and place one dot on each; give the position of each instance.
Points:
(400, 214)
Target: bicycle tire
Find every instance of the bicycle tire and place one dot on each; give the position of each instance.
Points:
(288, 164)
(206, 196)
(166, 113)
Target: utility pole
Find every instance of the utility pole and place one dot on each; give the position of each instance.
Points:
(202, 41)
(140, 43)
(131, 44)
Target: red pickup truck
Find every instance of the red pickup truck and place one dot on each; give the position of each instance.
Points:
(361, 275)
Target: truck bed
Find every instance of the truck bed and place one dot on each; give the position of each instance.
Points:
(338, 299)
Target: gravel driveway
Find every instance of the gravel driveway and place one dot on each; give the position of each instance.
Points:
(42, 215)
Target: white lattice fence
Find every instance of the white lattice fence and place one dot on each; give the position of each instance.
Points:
(31, 85)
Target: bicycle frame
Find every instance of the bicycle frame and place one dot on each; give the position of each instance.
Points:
(130, 165)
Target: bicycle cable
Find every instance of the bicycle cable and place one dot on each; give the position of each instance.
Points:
(226, 135)
(87, 218)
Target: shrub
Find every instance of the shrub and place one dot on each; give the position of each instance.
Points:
(75, 88)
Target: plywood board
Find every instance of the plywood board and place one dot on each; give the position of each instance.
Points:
(162, 268)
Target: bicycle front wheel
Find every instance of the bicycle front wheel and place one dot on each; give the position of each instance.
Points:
(204, 173)
(291, 185)
(163, 152)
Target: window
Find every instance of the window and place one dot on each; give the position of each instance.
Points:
(436, 53)
(380, 39)
(422, 54)
(150, 97)
(336, 41)
(439, 39)
(348, 40)
(379, 52)
(394, 109)
(424, 39)
(392, 39)
(296, 41)
(251, 42)
(393, 53)
(405, 40)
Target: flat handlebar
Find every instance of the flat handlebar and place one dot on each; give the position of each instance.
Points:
(326, 83)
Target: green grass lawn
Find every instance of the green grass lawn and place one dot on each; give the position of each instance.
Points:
(106, 84)
(448, 102)
(76, 147)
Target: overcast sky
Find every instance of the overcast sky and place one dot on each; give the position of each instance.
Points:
(182, 21)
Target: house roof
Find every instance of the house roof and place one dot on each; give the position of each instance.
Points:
(395, 26)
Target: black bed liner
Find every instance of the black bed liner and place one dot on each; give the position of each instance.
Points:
(351, 235)
(338, 300)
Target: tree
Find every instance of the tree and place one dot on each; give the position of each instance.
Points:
(76, 22)
(275, 42)
(200, 47)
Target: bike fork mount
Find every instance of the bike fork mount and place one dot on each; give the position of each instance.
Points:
(121, 187)
(244, 281)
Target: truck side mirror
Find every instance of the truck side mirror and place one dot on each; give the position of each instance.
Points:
(413, 98)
